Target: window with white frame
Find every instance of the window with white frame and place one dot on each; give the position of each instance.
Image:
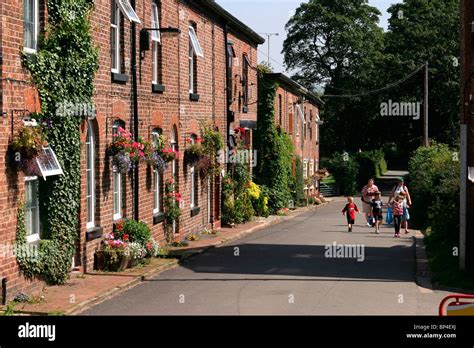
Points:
(174, 146)
(245, 80)
(90, 175)
(158, 176)
(305, 169)
(48, 163)
(156, 42)
(311, 168)
(30, 25)
(115, 44)
(193, 178)
(194, 52)
(117, 180)
(32, 222)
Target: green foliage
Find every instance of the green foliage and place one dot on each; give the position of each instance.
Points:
(338, 46)
(171, 203)
(275, 149)
(138, 231)
(298, 182)
(435, 189)
(63, 69)
(237, 204)
(372, 164)
(259, 198)
(344, 169)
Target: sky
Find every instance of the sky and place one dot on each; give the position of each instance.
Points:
(270, 16)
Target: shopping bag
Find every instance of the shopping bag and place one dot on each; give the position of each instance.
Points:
(389, 218)
(406, 214)
(372, 221)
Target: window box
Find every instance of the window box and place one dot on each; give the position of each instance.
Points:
(119, 78)
(158, 218)
(193, 97)
(94, 233)
(157, 88)
(195, 211)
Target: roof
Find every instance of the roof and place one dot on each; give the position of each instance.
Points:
(233, 22)
(295, 87)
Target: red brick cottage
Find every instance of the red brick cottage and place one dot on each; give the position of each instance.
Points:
(204, 72)
(297, 113)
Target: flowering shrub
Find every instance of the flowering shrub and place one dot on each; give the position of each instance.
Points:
(137, 251)
(152, 248)
(192, 237)
(133, 231)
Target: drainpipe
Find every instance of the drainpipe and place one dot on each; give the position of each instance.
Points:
(135, 111)
(227, 86)
(4, 291)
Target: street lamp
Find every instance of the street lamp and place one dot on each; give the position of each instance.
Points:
(268, 42)
(145, 37)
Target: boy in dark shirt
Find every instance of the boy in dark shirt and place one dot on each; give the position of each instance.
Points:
(376, 208)
(349, 210)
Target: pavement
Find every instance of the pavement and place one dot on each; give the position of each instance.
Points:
(284, 269)
(85, 290)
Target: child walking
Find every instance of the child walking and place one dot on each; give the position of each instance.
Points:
(349, 210)
(406, 212)
(376, 210)
(397, 215)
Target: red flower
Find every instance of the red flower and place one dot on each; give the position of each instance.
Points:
(125, 237)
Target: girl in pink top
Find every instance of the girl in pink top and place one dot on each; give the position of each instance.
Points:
(397, 208)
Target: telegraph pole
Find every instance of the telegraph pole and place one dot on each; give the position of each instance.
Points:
(268, 43)
(425, 115)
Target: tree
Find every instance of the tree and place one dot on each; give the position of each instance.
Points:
(420, 31)
(338, 45)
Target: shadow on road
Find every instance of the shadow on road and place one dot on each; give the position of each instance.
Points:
(271, 260)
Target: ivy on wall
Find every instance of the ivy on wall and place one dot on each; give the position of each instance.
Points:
(63, 70)
(275, 149)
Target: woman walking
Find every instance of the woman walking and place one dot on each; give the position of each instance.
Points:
(368, 194)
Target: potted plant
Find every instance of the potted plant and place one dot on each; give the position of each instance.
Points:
(169, 154)
(114, 254)
(137, 253)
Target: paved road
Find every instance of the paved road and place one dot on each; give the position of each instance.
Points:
(283, 270)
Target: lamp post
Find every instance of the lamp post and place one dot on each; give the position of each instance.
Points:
(269, 35)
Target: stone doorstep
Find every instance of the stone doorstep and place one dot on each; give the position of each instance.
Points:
(219, 241)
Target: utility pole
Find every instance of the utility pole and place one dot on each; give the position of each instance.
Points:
(268, 44)
(425, 116)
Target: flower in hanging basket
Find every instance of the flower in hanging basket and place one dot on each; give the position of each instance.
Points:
(156, 161)
(122, 162)
(29, 142)
(169, 154)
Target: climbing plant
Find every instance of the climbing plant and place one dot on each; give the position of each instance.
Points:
(275, 149)
(63, 70)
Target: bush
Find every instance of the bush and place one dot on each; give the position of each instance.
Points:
(138, 232)
(434, 189)
(372, 164)
(237, 204)
(297, 182)
(344, 170)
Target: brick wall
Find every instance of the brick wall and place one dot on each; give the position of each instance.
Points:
(169, 109)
